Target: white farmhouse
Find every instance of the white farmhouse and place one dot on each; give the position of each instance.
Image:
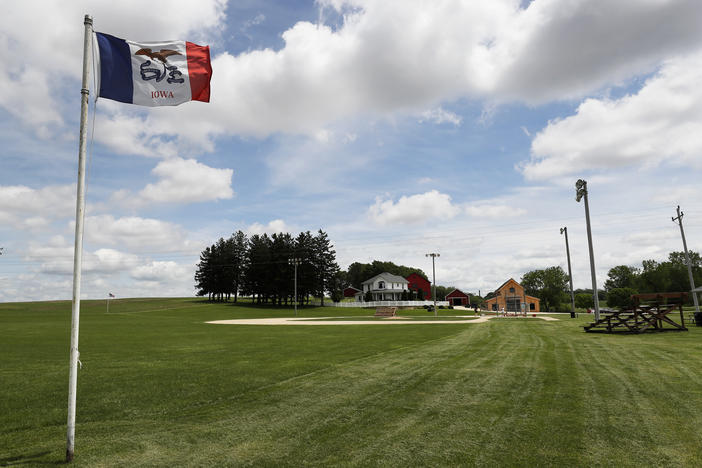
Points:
(384, 287)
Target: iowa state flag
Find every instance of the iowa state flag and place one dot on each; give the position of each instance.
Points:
(153, 73)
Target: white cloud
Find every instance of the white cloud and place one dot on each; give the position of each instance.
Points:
(187, 181)
(130, 134)
(663, 121)
(59, 260)
(50, 50)
(164, 272)
(440, 116)
(27, 208)
(273, 227)
(413, 209)
(134, 232)
(395, 57)
(491, 210)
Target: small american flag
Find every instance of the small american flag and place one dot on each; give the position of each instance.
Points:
(112, 295)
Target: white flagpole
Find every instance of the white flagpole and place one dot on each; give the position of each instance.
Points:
(78, 249)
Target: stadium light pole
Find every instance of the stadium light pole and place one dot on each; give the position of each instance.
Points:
(433, 270)
(581, 192)
(564, 230)
(295, 261)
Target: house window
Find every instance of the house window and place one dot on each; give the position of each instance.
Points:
(381, 284)
(532, 306)
(511, 290)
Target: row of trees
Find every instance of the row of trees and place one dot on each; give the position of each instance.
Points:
(551, 286)
(668, 276)
(259, 266)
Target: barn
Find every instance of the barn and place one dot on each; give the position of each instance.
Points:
(351, 291)
(510, 297)
(458, 298)
(417, 282)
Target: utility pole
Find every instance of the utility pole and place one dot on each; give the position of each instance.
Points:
(580, 192)
(687, 259)
(433, 269)
(564, 230)
(295, 261)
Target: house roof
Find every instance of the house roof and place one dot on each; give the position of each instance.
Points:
(351, 287)
(387, 277)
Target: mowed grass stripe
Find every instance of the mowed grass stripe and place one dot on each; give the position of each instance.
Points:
(171, 392)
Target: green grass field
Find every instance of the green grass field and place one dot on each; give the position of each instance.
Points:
(160, 387)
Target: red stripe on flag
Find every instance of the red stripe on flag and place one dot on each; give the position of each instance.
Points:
(200, 71)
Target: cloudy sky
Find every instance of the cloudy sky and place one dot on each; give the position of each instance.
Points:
(399, 127)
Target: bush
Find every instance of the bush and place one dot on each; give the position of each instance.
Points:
(441, 307)
(450, 307)
(620, 297)
(584, 301)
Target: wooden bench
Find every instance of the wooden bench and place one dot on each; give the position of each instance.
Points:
(385, 311)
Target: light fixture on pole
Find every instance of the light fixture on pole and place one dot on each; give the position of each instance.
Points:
(580, 192)
(433, 269)
(564, 230)
(295, 261)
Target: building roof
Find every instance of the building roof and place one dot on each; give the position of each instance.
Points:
(388, 277)
(459, 293)
(505, 284)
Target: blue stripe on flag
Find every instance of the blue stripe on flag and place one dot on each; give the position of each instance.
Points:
(115, 68)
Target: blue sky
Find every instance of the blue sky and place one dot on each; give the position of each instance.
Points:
(398, 127)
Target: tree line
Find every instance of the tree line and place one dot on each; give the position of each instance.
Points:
(667, 276)
(551, 284)
(260, 266)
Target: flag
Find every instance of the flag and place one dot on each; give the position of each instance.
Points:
(153, 73)
(112, 295)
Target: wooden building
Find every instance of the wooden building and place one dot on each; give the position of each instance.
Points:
(510, 297)
(458, 298)
(417, 282)
(351, 291)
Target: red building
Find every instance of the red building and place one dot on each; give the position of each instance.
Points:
(351, 291)
(417, 282)
(458, 298)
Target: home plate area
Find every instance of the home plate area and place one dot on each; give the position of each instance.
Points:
(396, 320)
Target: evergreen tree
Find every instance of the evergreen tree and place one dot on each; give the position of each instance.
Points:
(304, 250)
(203, 274)
(324, 261)
(258, 261)
(239, 247)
